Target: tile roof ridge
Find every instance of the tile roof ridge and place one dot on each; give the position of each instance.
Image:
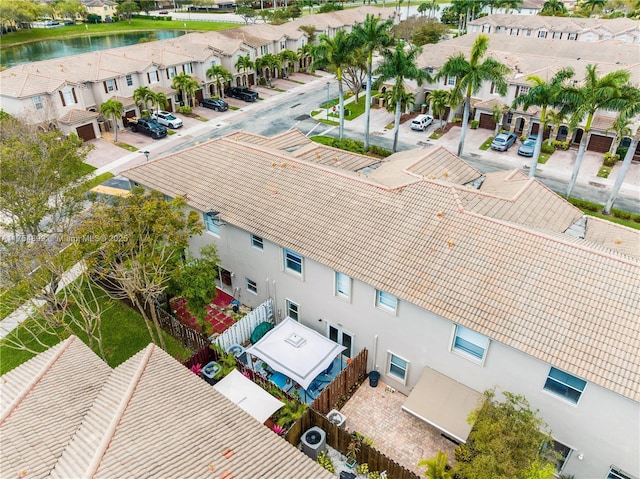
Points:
(63, 347)
(109, 431)
(571, 241)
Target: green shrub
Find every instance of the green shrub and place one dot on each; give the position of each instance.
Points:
(610, 159)
(377, 150)
(457, 120)
(325, 461)
(186, 110)
(604, 172)
(474, 124)
(547, 148)
(523, 137)
(622, 151)
(560, 145)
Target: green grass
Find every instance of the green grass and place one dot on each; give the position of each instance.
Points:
(328, 122)
(624, 218)
(98, 180)
(125, 146)
(201, 118)
(436, 134)
(487, 144)
(231, 107)
(86, 169)
(314, 113)
(604, 172)
(171, 132)
(543, 158)
(123, 333)
(137, 24)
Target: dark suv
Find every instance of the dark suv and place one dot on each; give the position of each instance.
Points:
(242, 93)
(215, 104)
(148, 127)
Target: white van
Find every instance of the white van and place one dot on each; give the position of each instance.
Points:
(421, 122)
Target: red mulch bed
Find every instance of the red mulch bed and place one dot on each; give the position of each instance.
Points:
(215, 316)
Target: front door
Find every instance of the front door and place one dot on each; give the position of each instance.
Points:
(340, 336)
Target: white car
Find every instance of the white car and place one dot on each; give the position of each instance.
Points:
(167, 119)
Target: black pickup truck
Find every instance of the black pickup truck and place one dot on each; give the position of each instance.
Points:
(242, 93)
(148, 127)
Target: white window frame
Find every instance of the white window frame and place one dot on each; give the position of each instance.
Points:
(616, 473)
(451, 81)
(210, 224)
(129, 80)
(257, 242)
(340, 338)
(573, 36)
(463, 335)
(291, 306)
(37, 102)
(563, 383)
(382, 297)
(187, 68)
(251, 286)
(390, 357)
(110, 84)
(342, 286)
(172, 72)
(68, 97)
(563, 459)
(291, 258)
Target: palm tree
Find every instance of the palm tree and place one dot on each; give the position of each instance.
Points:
(554, 119)
(112, 110)
(372, 35)
(436, 467)
(621, 127)
(245, 64)
(592, 4)
(288, 58)
(542, 94)
(497, 113)
(509, 5)
(629, 110)
(334, 55)
(220, 75)
(159, 100)
(186, 85)
(471, 74)
(605, 93)
(268, 63)
(400, 64)
(305, 52)
(439, 103)
(553, 8)
(407, 99)
(142, 96)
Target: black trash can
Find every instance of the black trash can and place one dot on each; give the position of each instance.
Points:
(374, 376)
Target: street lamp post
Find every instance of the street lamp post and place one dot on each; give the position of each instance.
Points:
(327, 104)
(146, 155)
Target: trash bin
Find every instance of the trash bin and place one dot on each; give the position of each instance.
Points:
(423, 108)
(374, 376)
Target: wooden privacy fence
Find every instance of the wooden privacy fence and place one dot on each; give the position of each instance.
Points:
(343, 385)
(339, 439)
(188, 337)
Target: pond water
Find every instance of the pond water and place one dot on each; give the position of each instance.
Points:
(46, 50)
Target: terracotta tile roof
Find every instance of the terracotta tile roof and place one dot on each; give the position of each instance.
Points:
(538, 291)
(440, 163)
(565, 24)
(74, 117)
(82, 419)
(44, 401)
(613, 236)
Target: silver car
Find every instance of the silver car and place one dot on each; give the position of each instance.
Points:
(527, 146)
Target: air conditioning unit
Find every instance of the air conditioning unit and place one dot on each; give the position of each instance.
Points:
(336, 417)
(314, 441)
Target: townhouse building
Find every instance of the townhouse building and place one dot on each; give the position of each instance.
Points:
(559, 28)
(543, 57)
(481, 280)
(67, 92)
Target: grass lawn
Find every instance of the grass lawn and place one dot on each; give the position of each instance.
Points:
(487, 144)
(137, 24)
(125, 146)
(123, 333)
(604, 172)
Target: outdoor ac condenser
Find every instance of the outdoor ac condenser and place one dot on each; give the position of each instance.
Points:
(314, 441)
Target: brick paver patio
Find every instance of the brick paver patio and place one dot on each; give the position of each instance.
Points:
(377, 413)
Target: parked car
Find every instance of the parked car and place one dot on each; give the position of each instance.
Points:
(215, 104)
(148, 127)
(163, 12)
(242, 93)
(527, 146)
(421, 122)
(503, 141)
(167, 119)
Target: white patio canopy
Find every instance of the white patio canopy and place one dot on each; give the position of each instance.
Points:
(248, 396)
(296, 351)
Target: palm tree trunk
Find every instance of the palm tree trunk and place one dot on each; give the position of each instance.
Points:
(465, 122)
(396, 125)
(341, 97)
(115, 128)
(621, 174)
(536, 154)
(578, 164)
(367, 109)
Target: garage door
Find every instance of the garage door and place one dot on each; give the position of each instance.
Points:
(86, 132)
(486, 121)
(599, 143)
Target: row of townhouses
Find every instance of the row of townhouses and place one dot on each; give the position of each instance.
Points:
(67, 92)
(479, 280)
(542, 57)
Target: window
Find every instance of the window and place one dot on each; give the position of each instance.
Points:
(212, 223)
(343, 286)
(252, 287)
(470, 343)
(129, 79)
(528, 32)
(257, 242)
(398, 367)
(557, 35)
(565, 385)
(293, 310)
(386, 301)
(542, 34)
(153, 76)
(283, 44)
(340, 336)
(615, 473)
(451, 81)
(37, 102)
(171, 72)
(573, 36)
(213, 63)
(264, 49)
(68, 97)
(292, 261)
(187, 68)
(110, 85)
